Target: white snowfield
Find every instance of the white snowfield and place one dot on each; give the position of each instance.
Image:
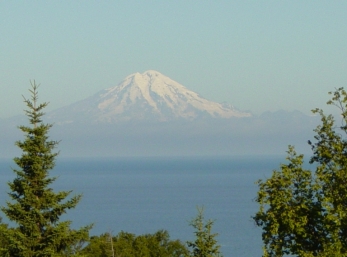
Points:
(158, 91)
(149, 95)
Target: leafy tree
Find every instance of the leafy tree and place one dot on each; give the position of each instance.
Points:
(34, 207)
(205, 244)
(304, 212)
(98, 246)
(129, 245)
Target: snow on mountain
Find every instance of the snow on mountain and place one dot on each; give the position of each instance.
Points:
(146, 96)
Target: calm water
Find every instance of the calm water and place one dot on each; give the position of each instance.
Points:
(143, 195)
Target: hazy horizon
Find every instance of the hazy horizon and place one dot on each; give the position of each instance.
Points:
(258, 56)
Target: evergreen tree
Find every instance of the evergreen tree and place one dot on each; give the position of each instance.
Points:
(35, 208)
(205, 244)
(303, 212)
(3, 240)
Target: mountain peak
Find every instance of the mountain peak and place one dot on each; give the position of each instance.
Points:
(152, 73)
(150, 96)
(148, 77)
(148, 73)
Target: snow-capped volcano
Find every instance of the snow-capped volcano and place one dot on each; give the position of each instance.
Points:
(146, 96)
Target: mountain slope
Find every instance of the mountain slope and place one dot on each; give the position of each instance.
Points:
(146, 96)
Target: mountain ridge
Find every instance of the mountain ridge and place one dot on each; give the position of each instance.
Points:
(147, 96)
(94, 126)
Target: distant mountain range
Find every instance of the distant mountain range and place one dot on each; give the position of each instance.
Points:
(150, 114)
(149, 96)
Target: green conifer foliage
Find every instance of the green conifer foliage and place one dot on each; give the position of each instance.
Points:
(205, 244)
(35, 208)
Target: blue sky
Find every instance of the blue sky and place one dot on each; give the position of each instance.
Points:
(257, 55)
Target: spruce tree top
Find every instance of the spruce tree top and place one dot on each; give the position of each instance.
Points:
(34, 207)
